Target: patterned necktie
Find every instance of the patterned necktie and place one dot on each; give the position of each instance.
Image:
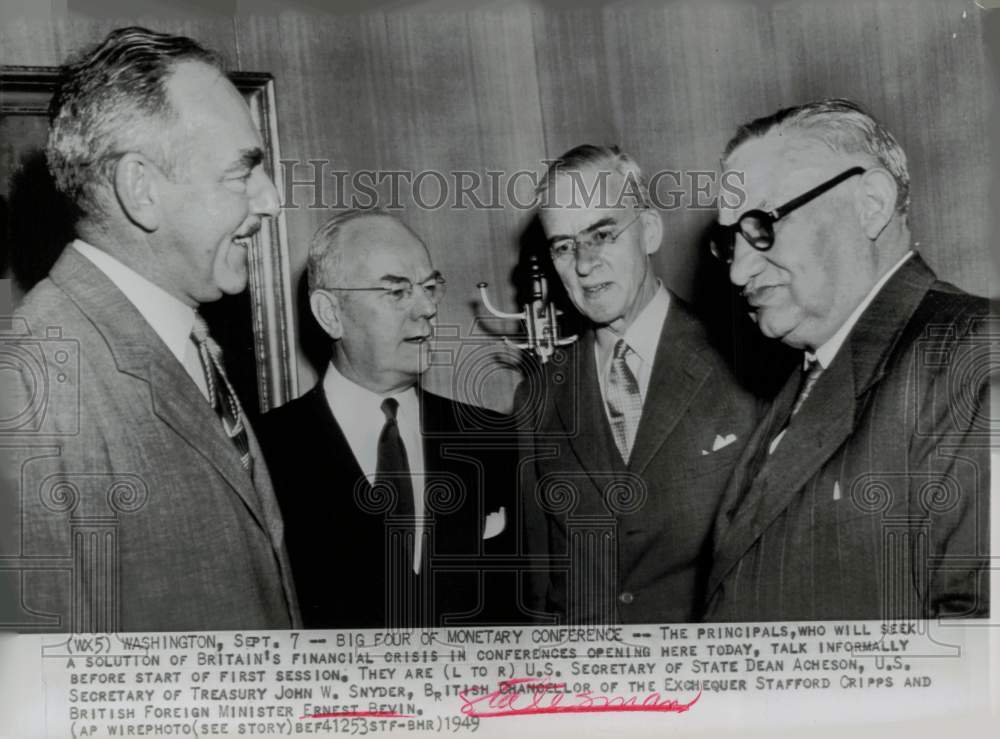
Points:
(808, 377)
(220, 393)
(777, 421)
(624, 401)
(813, 370)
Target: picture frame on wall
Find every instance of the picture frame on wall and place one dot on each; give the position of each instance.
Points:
(255, 328)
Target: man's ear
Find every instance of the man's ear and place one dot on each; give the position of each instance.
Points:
(652, 230)
(326, 310)
(875, 200)
(136, 191)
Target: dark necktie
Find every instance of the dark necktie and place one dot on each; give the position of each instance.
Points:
(220, 393)
(392, 468)
(405, 597)
(812, 372)
(624, 400)
(777, 423)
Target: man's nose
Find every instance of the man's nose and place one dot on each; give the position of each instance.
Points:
(746, 263)
(423, 305)
(264, 196)
(587, 257)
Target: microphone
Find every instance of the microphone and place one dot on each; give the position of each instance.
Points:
(540, 317)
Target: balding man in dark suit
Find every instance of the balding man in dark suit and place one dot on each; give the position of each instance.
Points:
(864, 493)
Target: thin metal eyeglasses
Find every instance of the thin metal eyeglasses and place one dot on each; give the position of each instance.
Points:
(757, 226)
(401, 291)
(562, 249)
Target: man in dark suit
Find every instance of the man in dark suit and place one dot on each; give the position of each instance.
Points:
(134, 491)
(392, 496)
(864, 493)
(630, 437)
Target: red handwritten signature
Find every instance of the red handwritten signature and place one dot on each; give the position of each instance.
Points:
(539, 699)
(358, 714)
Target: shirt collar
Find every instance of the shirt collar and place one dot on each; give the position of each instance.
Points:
(643, 336)
(170, 318)
(352, 398)
(825, 354)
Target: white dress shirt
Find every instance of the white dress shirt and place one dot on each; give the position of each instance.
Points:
(825, 354)
(358, 412)
(643, 336)
(170, 319)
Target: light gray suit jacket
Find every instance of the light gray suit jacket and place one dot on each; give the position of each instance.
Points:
(126, 506)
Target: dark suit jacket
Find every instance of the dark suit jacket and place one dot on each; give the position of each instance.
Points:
(629, 543)
(337, 532)
(122, 493)
(875, 503)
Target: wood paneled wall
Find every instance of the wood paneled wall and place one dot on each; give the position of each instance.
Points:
(419, 90)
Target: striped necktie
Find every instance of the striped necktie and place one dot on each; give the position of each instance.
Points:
(813, 370)
(220, 393)
(808, 377)
(624, 400)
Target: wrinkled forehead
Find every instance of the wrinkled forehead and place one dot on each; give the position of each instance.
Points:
(766, 172)
(578, 199)
(381, 246)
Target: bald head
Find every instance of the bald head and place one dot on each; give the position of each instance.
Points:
(338, 249)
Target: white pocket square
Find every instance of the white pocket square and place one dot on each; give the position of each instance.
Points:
(495, 523)
(721, 442)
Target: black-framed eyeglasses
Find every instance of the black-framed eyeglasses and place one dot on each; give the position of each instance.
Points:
(401, 292)
(565, 248)
(757, 226)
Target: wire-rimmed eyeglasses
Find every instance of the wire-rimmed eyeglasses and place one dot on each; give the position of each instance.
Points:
(401, 291)
(564, 248)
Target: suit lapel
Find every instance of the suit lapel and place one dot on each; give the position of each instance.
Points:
(138, 351)
(826, 420)
(448, 459)
(677, 375)
(749, 464)
(333, 444)
(581, 411)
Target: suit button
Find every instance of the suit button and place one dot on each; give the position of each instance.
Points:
(626, 597)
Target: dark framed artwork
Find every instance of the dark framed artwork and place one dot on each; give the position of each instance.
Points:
(254, 328)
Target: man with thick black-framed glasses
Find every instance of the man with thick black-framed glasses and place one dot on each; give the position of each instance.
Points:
(864, 492)
(391, 494)
(632, 432)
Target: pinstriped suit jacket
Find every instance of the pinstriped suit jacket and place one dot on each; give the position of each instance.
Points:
(123, 499)
(875, 504)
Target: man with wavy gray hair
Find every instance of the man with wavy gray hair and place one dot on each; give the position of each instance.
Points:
(140, 485)
(864, 492)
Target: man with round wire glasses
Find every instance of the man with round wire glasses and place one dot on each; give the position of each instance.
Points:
(639, 423)
(863, 493)
(375, 476)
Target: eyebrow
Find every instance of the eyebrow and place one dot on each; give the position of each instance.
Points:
(248, 159)
(399, 279)
(589, 229)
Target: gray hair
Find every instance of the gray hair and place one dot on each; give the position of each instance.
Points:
(602, 158)
(327, 250)
(112, 99)
(843, 126)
